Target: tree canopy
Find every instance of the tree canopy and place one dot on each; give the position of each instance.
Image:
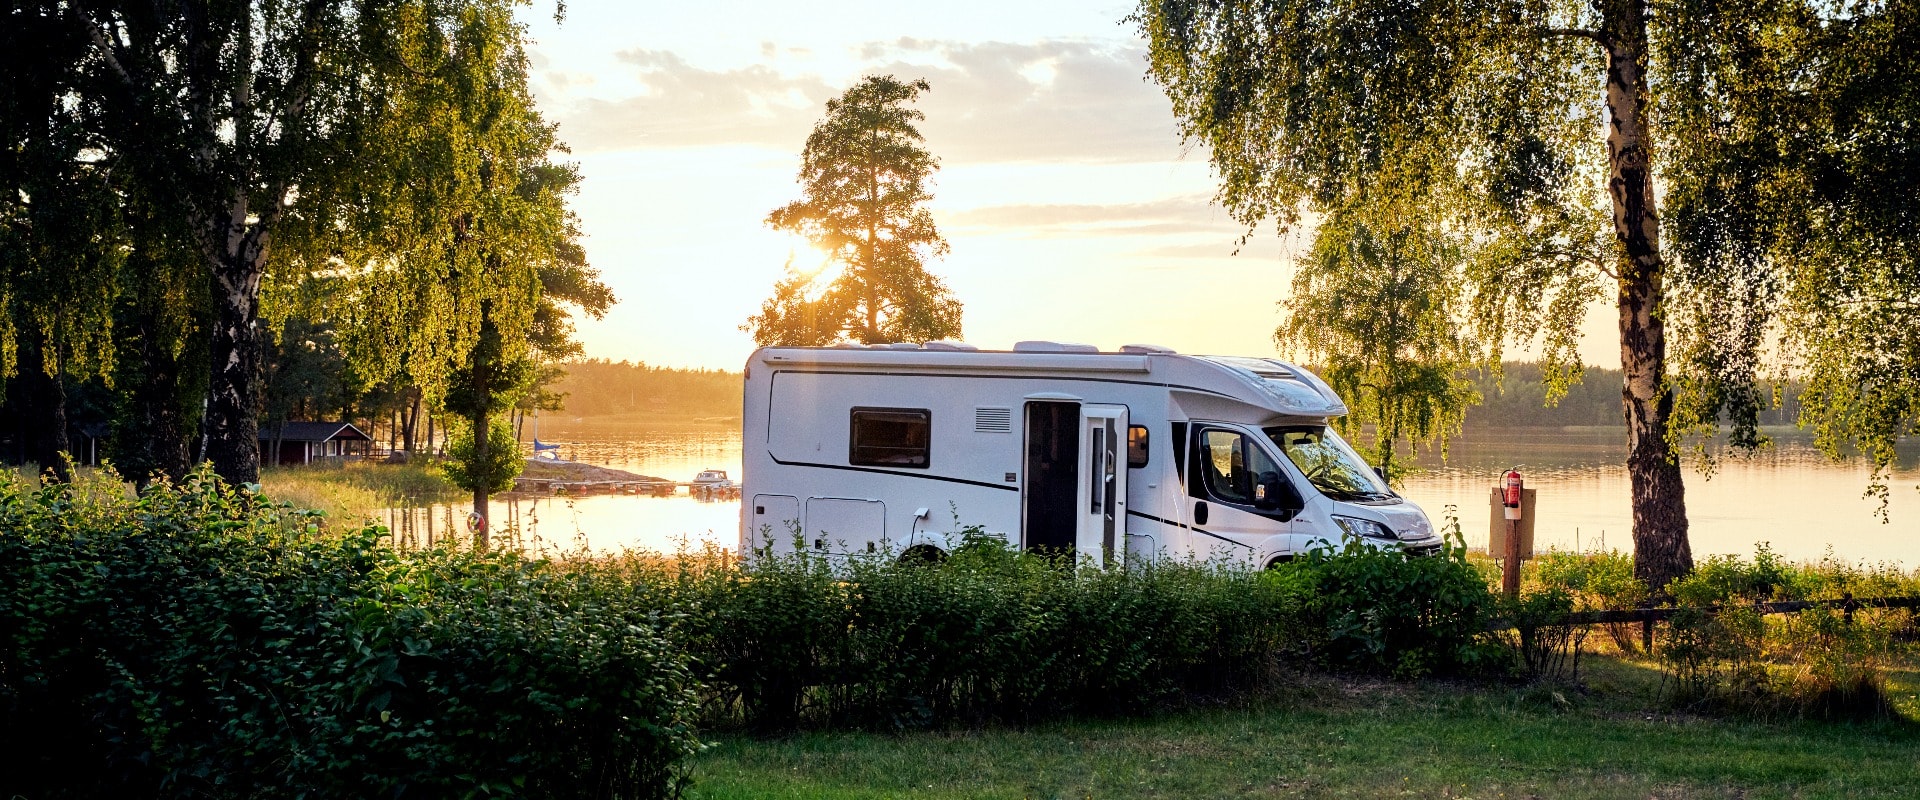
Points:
(357, 202)
(863, 178)
(1373, 305)
(1543, 137)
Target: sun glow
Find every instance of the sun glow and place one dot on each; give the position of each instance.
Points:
(817, 266)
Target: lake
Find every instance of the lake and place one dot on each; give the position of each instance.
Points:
(1790, 496)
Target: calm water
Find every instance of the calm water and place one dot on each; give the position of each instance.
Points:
(1790, 495)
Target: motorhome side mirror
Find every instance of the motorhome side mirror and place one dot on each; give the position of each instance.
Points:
(1380, 471)
(1274, 492)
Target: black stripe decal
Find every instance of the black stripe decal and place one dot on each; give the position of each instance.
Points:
(920, 476)
(1201, 531)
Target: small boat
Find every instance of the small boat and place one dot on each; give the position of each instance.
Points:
(712, 479)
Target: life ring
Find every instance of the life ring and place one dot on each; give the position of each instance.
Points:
(475, 522)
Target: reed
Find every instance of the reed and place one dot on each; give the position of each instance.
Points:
(355, 492)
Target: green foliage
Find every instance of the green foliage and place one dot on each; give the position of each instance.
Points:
(1601, 581)
(1547, 647)
(490, 471)
(1372, 304)
(1463, 132)
(1377, 610)
(1821, 662)
(864, 185)
(985, 634)
(198, 641)
(1790, 194)
(1839, 664)
(1733, 579)
(989, 633)
(1598, 580)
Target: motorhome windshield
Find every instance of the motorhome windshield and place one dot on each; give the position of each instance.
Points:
(1332, 466)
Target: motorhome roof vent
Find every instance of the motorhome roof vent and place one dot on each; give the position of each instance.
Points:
(988, 419)
(1146, 349)
(903, 346)
(947, 345)
(1043, 346)
(850, 346)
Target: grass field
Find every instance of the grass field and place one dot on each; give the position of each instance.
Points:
(356, 491)
(1329, 737)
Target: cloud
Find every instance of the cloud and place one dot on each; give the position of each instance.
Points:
(686, 106)
(1050, 101)
(1053, 101)
(1190, 214)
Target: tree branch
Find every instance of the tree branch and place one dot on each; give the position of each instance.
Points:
(1575, 33)
(106, 49)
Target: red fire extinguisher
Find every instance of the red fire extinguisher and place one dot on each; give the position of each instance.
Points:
(1510, 496)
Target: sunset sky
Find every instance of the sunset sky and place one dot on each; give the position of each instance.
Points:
(1072, 208)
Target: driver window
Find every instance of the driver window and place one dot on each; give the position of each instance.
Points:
(1231, 466)
(1223, 464)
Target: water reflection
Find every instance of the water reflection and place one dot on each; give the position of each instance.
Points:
(1789, 495)
(610, 522)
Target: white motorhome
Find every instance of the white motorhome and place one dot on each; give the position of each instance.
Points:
(1137, 454)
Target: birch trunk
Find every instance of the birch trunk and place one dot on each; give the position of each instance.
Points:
(1661, 550)
(238, 262)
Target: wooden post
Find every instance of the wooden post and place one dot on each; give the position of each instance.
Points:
(1510, 575)
(1646, 628)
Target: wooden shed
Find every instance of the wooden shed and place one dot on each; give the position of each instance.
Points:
(307, 442)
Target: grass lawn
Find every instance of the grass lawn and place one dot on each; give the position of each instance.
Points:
(1327, 737)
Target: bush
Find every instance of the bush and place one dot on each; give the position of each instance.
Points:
(1547, 648)
(1380, 611)
(198, 641)
(988, 633)
(1596, 581)
(1819, 662)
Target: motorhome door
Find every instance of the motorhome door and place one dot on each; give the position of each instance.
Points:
(1101, 531)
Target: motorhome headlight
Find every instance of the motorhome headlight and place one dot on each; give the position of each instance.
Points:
(1354, 526)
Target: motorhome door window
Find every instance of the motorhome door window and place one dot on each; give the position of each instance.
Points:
(889, 437)
(1329, 464)
(1136, 446)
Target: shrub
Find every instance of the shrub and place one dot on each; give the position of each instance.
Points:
(199, 641)
(1546, 647)
(1714, 658)
(1380, 611)
(1838, 665)
(1596, 581)
(988, 633)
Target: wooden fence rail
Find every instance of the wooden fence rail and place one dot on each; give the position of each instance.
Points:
(1648, 615)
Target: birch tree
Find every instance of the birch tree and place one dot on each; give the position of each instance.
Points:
(1503, 120)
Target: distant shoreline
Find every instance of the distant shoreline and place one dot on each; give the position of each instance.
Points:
(640, 419)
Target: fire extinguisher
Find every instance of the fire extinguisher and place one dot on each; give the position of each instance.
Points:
(1510, 494)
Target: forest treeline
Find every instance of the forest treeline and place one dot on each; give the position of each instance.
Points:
(597, 387)
(1517, 398)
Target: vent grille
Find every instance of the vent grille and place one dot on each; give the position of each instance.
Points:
(992, 420)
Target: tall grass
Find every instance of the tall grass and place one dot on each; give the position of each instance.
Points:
(354, 492)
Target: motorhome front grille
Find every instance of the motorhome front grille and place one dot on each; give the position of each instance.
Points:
(993, 420)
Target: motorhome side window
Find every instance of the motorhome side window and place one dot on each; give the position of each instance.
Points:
(889, 437)
(1229, 465)
(1136, 446)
